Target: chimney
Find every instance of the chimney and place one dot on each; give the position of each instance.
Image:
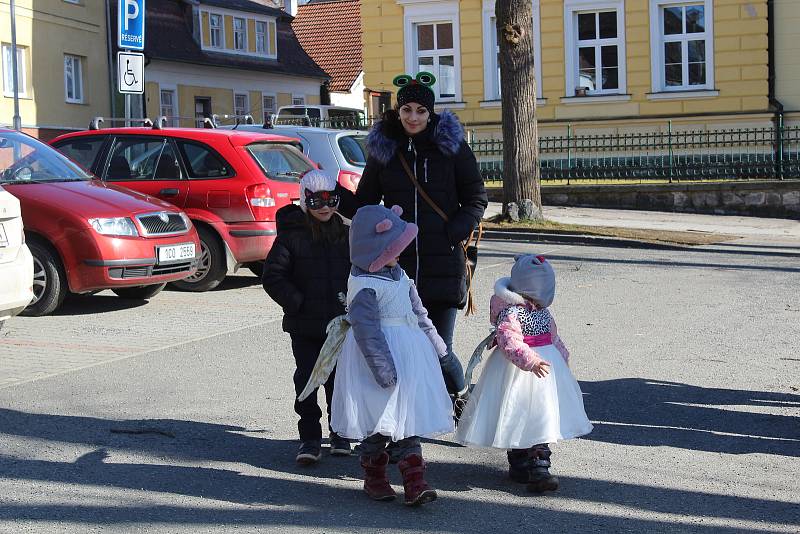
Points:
(290, 6)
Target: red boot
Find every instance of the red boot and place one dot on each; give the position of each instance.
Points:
(418, 491)
(376, 483)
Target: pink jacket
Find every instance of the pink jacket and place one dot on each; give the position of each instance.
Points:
(509, 336)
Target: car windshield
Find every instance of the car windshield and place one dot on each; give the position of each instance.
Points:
(25, 160)
(279, 162)
(354, 149)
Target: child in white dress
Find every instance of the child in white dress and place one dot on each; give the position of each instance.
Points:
(389, 384)
(526, 396)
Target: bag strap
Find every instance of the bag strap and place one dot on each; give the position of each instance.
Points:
(421, 191)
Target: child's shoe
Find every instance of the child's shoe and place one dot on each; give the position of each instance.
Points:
(519, 465)
(376, 483)
(417, 491)
(539, 477)
(339, 445)
(310, 452)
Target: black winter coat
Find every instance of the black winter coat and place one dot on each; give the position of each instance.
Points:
(448, 172)
(305, 276)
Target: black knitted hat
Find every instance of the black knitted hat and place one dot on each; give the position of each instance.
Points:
(416, 92)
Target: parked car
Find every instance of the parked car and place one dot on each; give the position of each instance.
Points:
(86, 235)
(321, 115)
(343, 153)
(16, 263)
(229, 183)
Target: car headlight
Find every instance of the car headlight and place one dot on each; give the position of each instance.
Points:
(121, 226)
(186, 220)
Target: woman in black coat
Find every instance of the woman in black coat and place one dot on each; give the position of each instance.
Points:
(435, 150)
(306, 269)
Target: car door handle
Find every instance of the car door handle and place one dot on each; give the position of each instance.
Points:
(172, 192)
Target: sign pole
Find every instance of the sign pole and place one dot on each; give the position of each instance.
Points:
(15, 68)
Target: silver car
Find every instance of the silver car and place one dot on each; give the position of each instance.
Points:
(340, 152)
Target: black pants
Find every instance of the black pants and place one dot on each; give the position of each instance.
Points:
(306, 351)
(444, 319)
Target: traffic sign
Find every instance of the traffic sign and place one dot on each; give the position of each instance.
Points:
(130, 24)
(130, 72)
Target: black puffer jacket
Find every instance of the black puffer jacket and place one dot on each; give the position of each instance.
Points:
(448, 172)
(305, 276)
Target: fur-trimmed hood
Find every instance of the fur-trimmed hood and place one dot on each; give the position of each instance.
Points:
(387, 135)
(503, 297)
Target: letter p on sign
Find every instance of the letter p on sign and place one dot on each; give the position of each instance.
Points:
(130, 24)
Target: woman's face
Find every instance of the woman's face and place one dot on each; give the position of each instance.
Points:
(414, 117)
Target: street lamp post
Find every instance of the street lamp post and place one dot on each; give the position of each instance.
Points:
(14, 67)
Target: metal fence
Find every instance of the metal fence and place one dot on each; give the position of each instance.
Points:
(671, 156)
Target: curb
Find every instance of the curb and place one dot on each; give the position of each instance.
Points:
(577, 239)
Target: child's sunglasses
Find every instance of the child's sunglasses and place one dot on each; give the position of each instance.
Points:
(320, 199)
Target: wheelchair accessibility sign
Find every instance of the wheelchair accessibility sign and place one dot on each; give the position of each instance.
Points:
(130, 72)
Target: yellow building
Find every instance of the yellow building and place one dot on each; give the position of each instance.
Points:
(786, 45)
(62, 54)
(601, 65)
(224, 58)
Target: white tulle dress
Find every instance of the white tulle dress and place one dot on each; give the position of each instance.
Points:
(418, 404)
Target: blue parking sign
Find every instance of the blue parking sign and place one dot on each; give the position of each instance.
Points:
(130, 24)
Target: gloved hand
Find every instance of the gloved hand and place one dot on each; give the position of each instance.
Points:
(453, 373)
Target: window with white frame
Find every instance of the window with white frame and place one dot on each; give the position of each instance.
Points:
(268, 107)
(492, 86)
(240, 104)
(168, 106)
(215, 27)
(261, 37)
(595, 42)
(435, 52)
(73, 79)
(298, 101)
(683, 45)
(8, 71)
(239, 33)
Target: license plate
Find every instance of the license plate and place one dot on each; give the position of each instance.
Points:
(176, 253)
(3, 238)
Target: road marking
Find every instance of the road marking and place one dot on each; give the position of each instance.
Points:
(714, 432)
(141, 353)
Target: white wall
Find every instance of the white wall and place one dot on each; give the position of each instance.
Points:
(353, 99)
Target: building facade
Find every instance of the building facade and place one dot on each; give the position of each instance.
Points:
(224, 58)
(601, 65)
(62, 64)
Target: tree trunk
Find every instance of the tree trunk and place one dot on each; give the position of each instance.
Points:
(521, 194)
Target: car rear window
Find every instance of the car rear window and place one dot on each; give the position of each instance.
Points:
(354, 149)
(279, 162)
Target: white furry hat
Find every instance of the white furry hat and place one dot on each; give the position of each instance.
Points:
(315, 181)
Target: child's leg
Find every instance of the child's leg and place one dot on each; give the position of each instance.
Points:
(374, 461)
(306, 351)
(339, 445)
(412, 467)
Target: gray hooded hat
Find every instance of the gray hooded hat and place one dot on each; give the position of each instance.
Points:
(378, 235)
(533, 277)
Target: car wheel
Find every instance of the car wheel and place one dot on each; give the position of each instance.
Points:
(140, 292)
(257, 268)
(49, 281)
(212, 267)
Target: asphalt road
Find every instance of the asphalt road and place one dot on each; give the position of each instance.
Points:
(688, 362)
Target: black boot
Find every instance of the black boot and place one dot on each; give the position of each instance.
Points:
(518, 465)
(539, 477)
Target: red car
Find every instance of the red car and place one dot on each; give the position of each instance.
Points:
(230, 183)
(86, 235)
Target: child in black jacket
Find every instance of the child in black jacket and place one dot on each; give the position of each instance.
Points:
(304, 273)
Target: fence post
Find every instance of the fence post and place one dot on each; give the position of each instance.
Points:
(671, 155)
(779, 147)
(569, 152)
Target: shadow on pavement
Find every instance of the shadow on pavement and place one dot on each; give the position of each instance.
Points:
(93, 304)
(283, 494)
(691, 417)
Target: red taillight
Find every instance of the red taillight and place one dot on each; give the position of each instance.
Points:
(262, 205)
(349, 180)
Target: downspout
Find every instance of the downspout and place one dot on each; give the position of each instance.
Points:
(111, 76)
(774, 103)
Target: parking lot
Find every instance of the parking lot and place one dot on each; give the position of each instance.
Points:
(177, 414)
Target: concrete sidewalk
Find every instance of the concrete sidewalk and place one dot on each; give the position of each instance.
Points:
(772, 229)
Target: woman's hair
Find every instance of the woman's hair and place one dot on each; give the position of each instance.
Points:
(333, 231)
